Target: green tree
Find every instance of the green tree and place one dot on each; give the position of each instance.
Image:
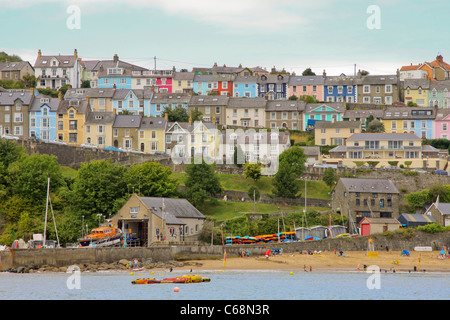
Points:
(330, 177)
(375, 126)
(308, 72)
(151, 179)
(99, 188)
(202, 183)
(285, 181)
(28, 177)
(179, 114)
(30, 81)
(293, 97)
(85, 84)
(295, 158)
(252, 171)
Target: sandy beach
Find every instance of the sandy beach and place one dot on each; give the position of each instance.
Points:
(329, 261)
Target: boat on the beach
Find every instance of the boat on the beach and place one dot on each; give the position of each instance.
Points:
(182, 279)
(102, 237)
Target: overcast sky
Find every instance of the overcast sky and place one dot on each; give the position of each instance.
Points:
(293, 34)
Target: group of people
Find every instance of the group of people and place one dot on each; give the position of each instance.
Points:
(243, 253)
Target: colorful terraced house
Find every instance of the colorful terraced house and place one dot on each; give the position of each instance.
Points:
(419, 120)
(71, 120)
(416, 91)
(43, 114)
(152, 132)
(307, 86)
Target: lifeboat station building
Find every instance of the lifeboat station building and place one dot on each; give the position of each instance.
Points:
(148, 220)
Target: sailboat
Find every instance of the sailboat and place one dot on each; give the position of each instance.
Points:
(40, 241)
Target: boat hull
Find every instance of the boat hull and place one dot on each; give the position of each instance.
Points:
(111, 241)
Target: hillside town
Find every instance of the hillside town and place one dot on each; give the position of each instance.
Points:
(359, 121)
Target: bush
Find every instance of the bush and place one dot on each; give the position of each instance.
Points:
(433, 228)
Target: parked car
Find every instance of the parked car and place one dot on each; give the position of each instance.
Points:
(57, 142)
(88, 145)
(10, 137)
(113, 149)
(441, 172)
(420, 170)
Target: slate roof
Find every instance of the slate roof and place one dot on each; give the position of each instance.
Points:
(127, 121)
(246, 103)
(245, 79)
(337, 124)
(409, 113)
(171, 98)
(444, 208)
(153, 123)
(13, 66)
(208, 100)
(378, 79)
(285, 105)
(382, 136)
(7, 98)
(306, 80)
(36, 105)
(338, 106)
(416, 84)
(273, 78)
(100, 118)
(353, 114)
(70, 59)
(179, 208)
(183, 76)
(80, 105)
(369, 185)
(81, 93)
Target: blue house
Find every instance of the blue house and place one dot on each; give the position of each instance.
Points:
(203, 83)
(136, 101)
(43, 117)
(275, 87)
(160, 101)
(245, 86)
(340, 89)
(325, 111)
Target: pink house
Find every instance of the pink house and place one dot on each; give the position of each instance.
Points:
(442, 124)
(162, 80)
(307, 86)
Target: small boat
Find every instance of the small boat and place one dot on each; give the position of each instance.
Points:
(102, 237)
(182, 279)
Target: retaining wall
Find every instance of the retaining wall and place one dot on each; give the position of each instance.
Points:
(66, 257)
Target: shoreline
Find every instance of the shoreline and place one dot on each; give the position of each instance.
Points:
(328, 261)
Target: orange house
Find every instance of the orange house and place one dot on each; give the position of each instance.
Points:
(437, 70)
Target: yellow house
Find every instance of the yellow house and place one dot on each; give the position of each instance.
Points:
(98, 129)
(182, 82)
(386, 149)
(71, 121)
(334, 133)
(416, 91)
(100, 99)
(151, 137)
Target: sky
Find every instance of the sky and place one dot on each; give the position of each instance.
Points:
(379, 36)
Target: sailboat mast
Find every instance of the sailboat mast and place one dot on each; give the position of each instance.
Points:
(46, 213)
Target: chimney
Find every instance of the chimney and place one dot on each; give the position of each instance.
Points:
(75, 53)
(359, 74)
(39, 53)
(439, 58)
(324, 73)
(60, 96)
(166, 115)
(114, 86)
(215, 65)
(87, 98)
(190, 119)
(116, 58)
(153, 88)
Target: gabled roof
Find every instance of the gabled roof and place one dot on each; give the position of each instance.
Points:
(66, 61)
(13, 66)
(8, 98)
(41, 100)
(306, 80)
(337, 106)
(369, 185)
(171, 98)
(379, 220)
(415, 84)
(352, 114)
(81, 106)
(179, 208)
(82, 93)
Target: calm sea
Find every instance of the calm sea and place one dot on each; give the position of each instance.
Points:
(228, 285)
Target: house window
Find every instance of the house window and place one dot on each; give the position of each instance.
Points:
(366, 89)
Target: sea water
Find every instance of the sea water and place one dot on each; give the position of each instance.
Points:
(227, 285)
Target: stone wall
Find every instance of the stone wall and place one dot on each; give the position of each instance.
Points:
(66, 257)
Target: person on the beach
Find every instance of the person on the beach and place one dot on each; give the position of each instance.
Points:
(357, 267)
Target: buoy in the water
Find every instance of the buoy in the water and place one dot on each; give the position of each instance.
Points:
(291, 273)
(131, 273)
(176, 289)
